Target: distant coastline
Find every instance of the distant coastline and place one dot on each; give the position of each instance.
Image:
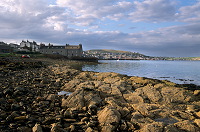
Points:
(105, 54)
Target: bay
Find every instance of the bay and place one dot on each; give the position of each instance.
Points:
(181, 72)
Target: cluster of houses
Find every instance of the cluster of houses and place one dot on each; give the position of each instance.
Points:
(27, 46)
(106, 55)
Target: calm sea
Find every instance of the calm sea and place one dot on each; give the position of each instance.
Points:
(182, 72)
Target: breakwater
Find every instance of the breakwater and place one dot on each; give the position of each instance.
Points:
(29, 100)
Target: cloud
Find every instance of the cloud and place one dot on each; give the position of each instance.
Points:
(153, 11)
(88, 12)
(82, 21)
(190, 13)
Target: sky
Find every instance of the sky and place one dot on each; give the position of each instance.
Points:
(151, 27)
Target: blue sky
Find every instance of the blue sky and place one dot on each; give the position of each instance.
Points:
(150, 27)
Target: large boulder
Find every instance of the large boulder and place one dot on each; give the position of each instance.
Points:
(71, 86)
(109, 119)
(187, 126)
(153, 127)
(81, 98)
(176, 95)
(150, 93)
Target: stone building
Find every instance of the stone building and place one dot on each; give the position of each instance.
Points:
(5, 48)
(67, 50)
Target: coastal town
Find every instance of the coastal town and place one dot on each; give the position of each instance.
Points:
(76, 51)
(68, 51)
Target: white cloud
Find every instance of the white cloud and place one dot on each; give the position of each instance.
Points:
(88, 11)
(81, 21)
(153, 11)
(190, 13)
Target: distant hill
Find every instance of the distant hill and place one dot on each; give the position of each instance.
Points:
(115, 54)
(119, 54)
(111, 51)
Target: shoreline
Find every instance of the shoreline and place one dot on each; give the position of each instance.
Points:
(98, 101)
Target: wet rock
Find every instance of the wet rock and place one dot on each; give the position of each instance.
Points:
(20, 118)
(85, 119)
(92, 109)
(24, 129)
(70, 120)
(8, 91)
(15, 107)
(37, 128)
(67, 114)
(12, 116)
(51, 97)
(89, 129)
(57, 128)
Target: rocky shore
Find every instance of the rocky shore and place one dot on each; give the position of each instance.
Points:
(32, 99)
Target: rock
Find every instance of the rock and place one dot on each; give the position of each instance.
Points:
(24, 129)
(197, 121)
(187, 126)
(85, 75)
(109, 119)
(133, 98)
(8, 91)
(51, 97)
(72, 128)
(70, 120)
(171, 128)
(141, 81)
(92, 109)
(71, 85)
(92, 123)
(37, 128)
(198, 114)
(149, 92)
(20, 118)
(67, 114)
(89, 129)
(81, 98)
(153, 127)
(196, 92)
(111, 80)
(85, 119)
(75, 100)
(176, 95)
(191, 108)
(57, 128)
(99, 102)
(12, 116)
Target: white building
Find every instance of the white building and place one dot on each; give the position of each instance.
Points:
(31, 46)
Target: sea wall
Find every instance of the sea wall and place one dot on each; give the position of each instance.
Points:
(107, 102)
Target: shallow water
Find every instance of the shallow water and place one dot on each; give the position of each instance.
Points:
(181, 72)
(64, 93)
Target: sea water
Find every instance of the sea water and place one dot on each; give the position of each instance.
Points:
(181, 72)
